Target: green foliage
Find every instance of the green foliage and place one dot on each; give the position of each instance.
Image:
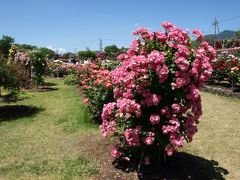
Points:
(8, 78)
(88, 54)
(5, 44)
(112, 51)
(237, 34)
(70, 80)
(228, 43)
(50, 54)
(98, 96)
(39, 66)
(25, 47)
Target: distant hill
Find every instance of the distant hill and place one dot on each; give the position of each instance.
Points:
(227, 34)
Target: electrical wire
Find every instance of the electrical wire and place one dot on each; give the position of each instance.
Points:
(229, 19)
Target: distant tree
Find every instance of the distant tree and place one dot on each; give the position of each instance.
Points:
(112, 51)
(123, 49)
(88, 54)
(50, 54)
(237, 34)
(25, 47)
(5, 44)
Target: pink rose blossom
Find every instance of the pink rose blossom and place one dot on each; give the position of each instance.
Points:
(176, 108)
(149, 139)
(154, 119)
(86, 101)
(198, 33)
(169, 150)
(132, 136)
(116, 153)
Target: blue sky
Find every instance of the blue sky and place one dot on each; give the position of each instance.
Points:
(70, 24)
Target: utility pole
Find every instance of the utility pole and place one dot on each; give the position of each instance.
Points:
(100, 43)
(216, 30)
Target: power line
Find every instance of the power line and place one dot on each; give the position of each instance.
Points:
(229, 19)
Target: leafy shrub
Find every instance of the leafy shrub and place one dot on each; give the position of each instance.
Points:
(70, 79)
(39, 66)
(88, 54)
(8, 79)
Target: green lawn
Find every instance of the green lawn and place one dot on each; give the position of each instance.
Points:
(45, 145)
(218, 137)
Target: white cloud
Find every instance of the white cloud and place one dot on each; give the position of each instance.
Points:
(137, 24)
(60, 50)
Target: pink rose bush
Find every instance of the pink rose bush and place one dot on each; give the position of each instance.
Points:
(157, 102)
(21, 66)
(58, 69)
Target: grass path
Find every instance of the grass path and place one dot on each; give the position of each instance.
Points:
(218, 137)
(44, 144)
(59, 142)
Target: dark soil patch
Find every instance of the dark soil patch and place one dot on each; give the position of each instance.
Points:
(17, 111)
(96, 147)
(180, 166)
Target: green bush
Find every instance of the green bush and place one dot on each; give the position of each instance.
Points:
(8, 79)
(39, 66)
(70, 79)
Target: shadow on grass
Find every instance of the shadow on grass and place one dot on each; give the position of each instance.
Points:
(46, 89)
(9, 98)
(180, 166)
(11, 112)
(49, 84)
